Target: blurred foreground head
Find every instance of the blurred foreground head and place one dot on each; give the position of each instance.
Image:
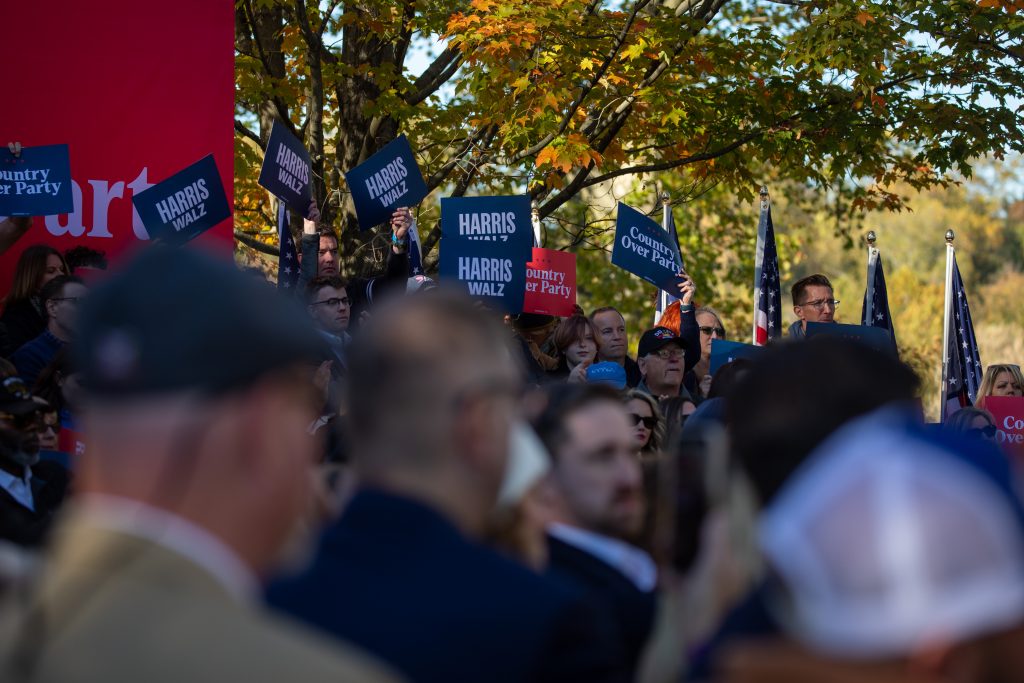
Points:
(197, 401)
(896, 543)
(796, 394)
(434, 395)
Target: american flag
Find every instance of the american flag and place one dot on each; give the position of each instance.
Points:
(664, 298)
(962, 364)
(415, 254)
(767, 292)
(288, 260)
(875, 312)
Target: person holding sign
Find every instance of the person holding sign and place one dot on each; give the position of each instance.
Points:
(1002, 379)
(813, 302)
(319, 257)
(13, 227)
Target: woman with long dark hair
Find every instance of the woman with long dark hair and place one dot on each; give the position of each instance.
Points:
(23, 318)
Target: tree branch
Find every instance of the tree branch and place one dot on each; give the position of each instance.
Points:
(249, 241)
(244, 130)
(435, 75)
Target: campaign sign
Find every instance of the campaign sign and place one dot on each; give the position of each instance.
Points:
(504, 221)
(877, 338)
(486, 270)
(37, 183)
(644, 248)
(185, 205)
(723, 352)
(1008, 413)
(286, 169)
(550, 283)
(387, 180)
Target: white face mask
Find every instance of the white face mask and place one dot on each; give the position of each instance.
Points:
(528, 461)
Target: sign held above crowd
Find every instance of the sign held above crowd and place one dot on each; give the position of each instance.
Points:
(387, 180)
(37, 182)
(185, 205)
(644, 248)
(286, 170)
(550, 283)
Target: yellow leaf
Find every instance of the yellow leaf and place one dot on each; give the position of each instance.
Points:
(548, 155)
(551, 101)
(586, 64)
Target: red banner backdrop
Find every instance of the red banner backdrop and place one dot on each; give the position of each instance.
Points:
(138, 90)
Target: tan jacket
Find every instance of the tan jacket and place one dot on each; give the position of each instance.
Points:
(111, 607)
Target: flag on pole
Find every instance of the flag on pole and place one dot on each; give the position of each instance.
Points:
(668, 222)
(962, 364)
(287, 257)
(875, 311)
(767, 292)
(415, 253)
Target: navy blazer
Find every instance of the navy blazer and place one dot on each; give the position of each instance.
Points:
(628, 608)
(396, 578)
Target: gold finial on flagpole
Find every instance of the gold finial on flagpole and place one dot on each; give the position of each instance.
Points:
(950, 236)
(872, 237)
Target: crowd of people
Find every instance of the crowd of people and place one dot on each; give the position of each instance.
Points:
(379, 479)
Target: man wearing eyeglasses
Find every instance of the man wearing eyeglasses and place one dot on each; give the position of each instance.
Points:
(661, 359)
(29, 493)
(330, 308)
(813, 302)
(59, 297)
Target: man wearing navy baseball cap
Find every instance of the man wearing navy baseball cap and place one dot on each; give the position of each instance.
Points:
(661, 359)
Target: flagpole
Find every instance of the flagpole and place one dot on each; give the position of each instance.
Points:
(950, 236)
(758, 251)
(535, 220)
(666, 209)
(869, 311)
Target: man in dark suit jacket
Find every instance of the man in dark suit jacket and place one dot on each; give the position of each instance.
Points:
(30, 491)
(401, 574)
(598, 495)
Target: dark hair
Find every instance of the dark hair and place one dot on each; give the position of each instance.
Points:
(314, 286)
(562, 401)
(324, 231)
(84, 257)
(570, 330)
(784, 407)
(727, 377)
(47, 386)
(55, 288)
(29, 271)
(801, 285)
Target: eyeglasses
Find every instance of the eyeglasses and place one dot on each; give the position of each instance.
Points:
(333, 302)
(720, 331)
(668, 354)
(989, 432)
(822, 303)
(649, 421)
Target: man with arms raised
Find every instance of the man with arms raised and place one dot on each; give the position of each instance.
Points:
(197, 472)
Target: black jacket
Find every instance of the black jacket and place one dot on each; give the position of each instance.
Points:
(22, 322)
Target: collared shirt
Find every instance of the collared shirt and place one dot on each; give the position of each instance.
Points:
(630, 561)
(20, 488)
(175, 534)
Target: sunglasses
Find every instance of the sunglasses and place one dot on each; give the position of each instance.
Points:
(649, 422)
(720, 331)
(988, 432)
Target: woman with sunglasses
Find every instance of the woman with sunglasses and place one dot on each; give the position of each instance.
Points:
(576, 343)
(974, 421)
(1002, 379)
(648, 424)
